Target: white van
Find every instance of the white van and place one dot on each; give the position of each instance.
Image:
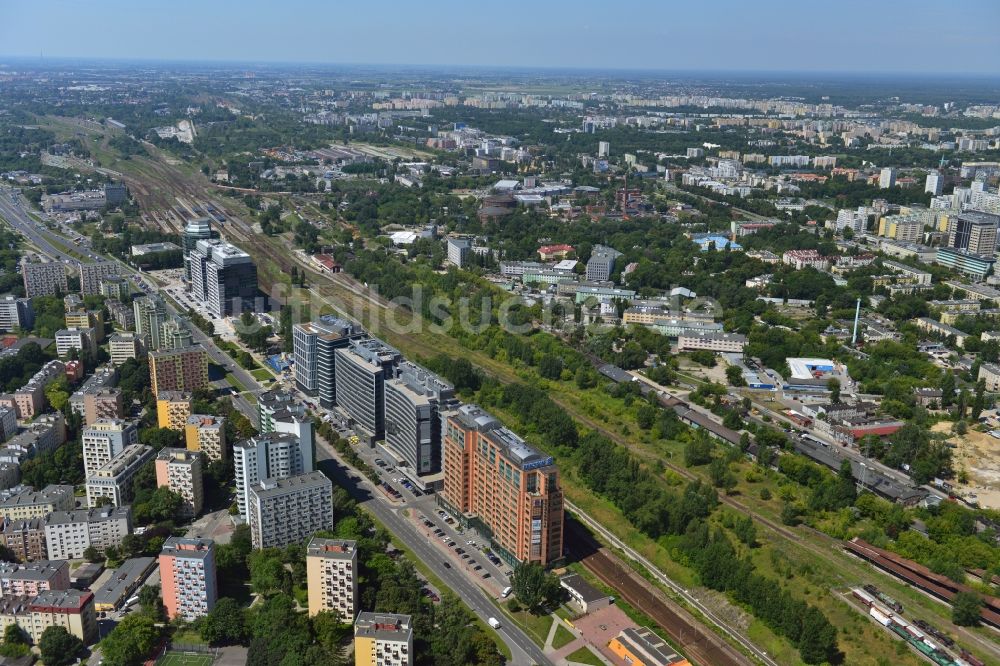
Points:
(506, 592)
(493, 622)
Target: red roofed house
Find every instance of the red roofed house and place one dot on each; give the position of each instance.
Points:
(326, 263)
(551, 252)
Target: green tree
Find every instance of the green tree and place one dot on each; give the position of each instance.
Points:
(818, 640)
(965, 609)
(698, 450)
(735, 376)
(225, 624)
(15, 643)
(131, 642)
(59, 647)
(533, 587)
(833, 386)
(152, 602)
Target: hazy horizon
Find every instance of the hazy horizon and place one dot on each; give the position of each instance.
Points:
(920, 38)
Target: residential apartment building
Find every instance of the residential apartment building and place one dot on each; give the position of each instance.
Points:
(887, 178)
(903, 228)
(15, 313)
(332, 576)
(150, 312)
(183, 369)
(114, 480)
(414, 403)
(278, 412)
(362, 369)
(44, 279)
(25, 539)
(315, 362)
(125, 345)
(286, 511)
(187, 575)
(103, 377)
(173, 409)
(68, 534)
(102, 404)
(174, 334)
(207, 434)
(115, 287)
(180, 470)
(81, 339)
(43, 435)
(383, 639)
(459, 250)
(934, 183)
(800, 259)
(30, 580)
(104, 439)
(26, 503)
(270, 455)
(8, 423)
(223, 276)
(71, 609)
(92, 274)
(990, 374)
(30, 399)
(123, 315)
(491, 472)
(601, 264)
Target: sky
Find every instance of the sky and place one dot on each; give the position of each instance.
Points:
(912, 36)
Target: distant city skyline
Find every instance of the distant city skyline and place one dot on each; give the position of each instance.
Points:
(920, 37)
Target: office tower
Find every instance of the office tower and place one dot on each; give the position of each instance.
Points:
(150, 313)
(332, 576)
(975, 232)
(92, 274)
(459, 250)
(934, 183)
(224, 277)
(268, 456)
(174, 334)
(414, 402)
(69, 533)
(102, 403)
(115, 194)
(207, 434)
(115, 287)
(383, 639)
(195, 230)
(125, 345)
(15, 313)
(104, 439)
(601, 264)
(184, 369)
(187, 577)
(173, 409)
(362, 368)
(286, 511)
(114, 480)
(43, 279)
(887, 178)
(315, 364)
(277, 412)
(180, 470)
(511, 487)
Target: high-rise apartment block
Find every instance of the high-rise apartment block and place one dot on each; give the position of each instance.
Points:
(115, 287)
(332, 576)
(183, 369)
(223, 276)
(180, 470)
(92, 274)
(15, 313)
(187, 575)
(268, 456)
(459, 250)
(315, 363)
(383, 639)
(491, 472)
(104, 439)
(173, 409)
(206, 433)
(102, 403)
(68, 534)
(114, 480)
(174, 334)
(125, 345)
(150, 313)
(934, 183)
(362, 370)
(601, 264)
(44, 278)
(887, 178)
(84, 340)
(286, 511)
(414, 402)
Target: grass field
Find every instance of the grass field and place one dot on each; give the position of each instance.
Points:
(183, 659)
(584, 656)
(562, 637)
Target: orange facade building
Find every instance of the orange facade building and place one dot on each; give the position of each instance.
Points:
(502, 486)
